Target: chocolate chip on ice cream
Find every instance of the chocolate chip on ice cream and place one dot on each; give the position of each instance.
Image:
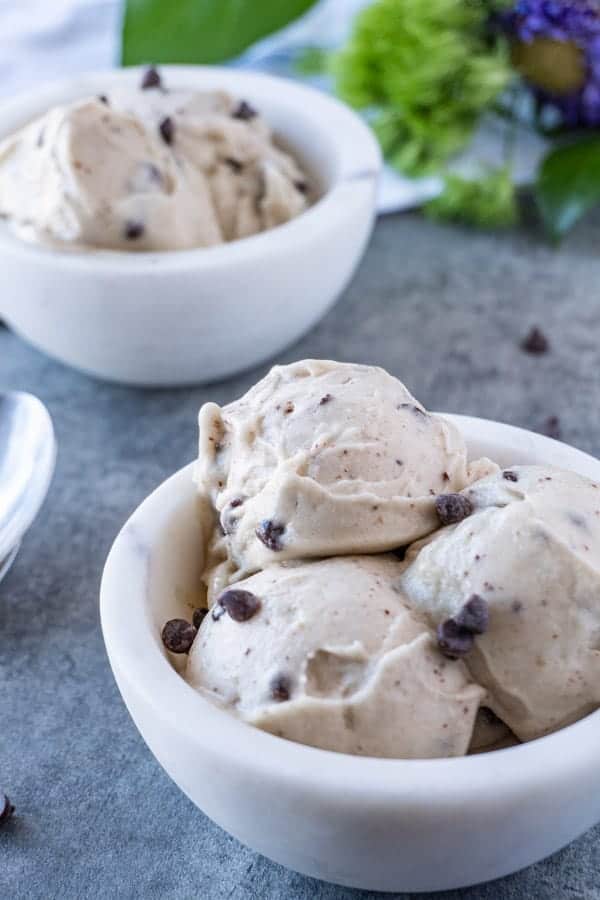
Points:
(474, 615)
(509, 475)
(244, 111)
(452, 508)
(150, 79)
(166, 128)
(280, 688)
(133, 230)
(241, 605)
(178, 635)
(270, 533)
(453, 640)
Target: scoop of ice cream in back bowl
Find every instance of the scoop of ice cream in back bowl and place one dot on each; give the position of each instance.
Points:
(178, 226)
(284, 698)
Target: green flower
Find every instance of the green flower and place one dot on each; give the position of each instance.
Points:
(424, 70)
(488, 202)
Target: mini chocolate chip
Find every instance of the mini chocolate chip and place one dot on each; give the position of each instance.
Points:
(452, 508)
(234, 164)
(6, 809)
(281, 688)
(244, 111)
(510, 475)
(167, 129)
(301, 187)
(400, 552)
(237, 501)
(535, 342)
(102, 98)
(133, 230)
(217, 612)
(270, 533)
(240, 605)
(445, 476)
(474, 615)
(198, 617)
(288, 408)
(151, 79)
(453, 640)
(551, 427)
(326, 399)
(516, 606)
(178, 635)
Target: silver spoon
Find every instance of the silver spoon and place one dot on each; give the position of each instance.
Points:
(27, 458)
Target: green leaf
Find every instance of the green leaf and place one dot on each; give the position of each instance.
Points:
(568, 185)
(200, 31)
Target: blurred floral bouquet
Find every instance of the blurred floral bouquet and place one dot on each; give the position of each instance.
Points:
(427, 72)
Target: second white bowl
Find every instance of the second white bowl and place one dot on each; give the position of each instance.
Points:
(198, 315)
(379, 824)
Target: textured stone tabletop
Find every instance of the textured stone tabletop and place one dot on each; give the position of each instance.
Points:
(442, 308)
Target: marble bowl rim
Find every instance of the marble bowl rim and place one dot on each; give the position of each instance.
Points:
(515, 771)
(356, 161)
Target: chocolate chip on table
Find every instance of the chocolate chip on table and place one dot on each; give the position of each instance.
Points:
(535, 342)
(178, 635)
(453, 640)
(244, 111)
(240, 605)
(270, 533)
(326, 399)
(6, 809)
(234, 164)
(474, 616)
(133, 230)
(551, 428)
(166, 128)
(198, 617)
(509, 475)
(280, 688)
(452, 508)
(151, 79)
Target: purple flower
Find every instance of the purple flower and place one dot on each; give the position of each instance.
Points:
(556, 47)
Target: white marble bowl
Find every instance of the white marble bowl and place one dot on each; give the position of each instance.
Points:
(198, 315)
(380, 824)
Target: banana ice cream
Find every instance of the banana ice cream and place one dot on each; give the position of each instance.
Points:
(530, 551)
(481, 633)
(321, 459)
(148, 168)
(328, 653)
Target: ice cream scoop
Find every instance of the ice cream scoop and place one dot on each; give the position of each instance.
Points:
(148, 169)
(323, 458)
(530, 551)
(328, 653)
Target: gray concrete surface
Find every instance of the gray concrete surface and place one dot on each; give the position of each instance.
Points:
(97, 818)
